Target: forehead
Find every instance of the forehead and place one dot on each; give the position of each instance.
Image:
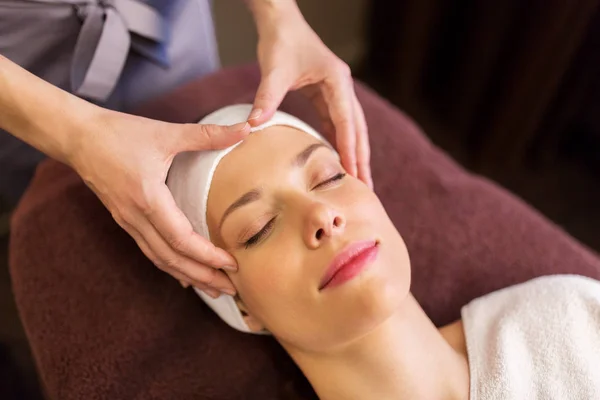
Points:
(272, 147)
(255, 162)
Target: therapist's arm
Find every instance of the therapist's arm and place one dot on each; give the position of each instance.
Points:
(292, 57)
(39, 113)
(124, 159)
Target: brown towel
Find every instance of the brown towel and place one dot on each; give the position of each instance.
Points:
(103, 323)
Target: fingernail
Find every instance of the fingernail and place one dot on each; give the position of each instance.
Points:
(215, 294)
(255, 113)
(230, 268)
(238, 127)
(184, 285)
(228, 291)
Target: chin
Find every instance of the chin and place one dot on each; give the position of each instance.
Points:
(362, 304)
(388, 283)
(377, 296)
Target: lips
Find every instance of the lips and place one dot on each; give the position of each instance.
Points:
(350, 262)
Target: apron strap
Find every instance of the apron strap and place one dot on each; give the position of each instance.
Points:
(105, 39)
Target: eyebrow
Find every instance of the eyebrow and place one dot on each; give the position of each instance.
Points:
(255, 194)
(304, 155)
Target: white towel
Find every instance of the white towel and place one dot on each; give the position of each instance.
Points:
(536, 340)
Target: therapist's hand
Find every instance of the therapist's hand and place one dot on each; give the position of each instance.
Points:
(291, 56)
(124, 159)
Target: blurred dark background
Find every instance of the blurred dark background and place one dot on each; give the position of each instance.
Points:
(510, 89)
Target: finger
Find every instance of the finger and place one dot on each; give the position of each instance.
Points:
(192, 137)
(338, 96)
(176, 230)
(315, 95)
(182, 278)
(214, 293)
(363, 148)
(142, 244)
(183, 268)
(270, 94)
(171, 260)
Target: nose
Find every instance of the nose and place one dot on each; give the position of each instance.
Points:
(322, 223)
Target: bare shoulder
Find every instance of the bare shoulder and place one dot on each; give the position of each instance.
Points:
(455, 336)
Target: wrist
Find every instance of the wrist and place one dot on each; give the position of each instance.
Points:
(81, 118)
(270, 15)
(40, 114)
(60, 129)
(37, 112)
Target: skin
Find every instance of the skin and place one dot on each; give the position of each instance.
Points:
(124, 159)
(292, 57)
(367, 338)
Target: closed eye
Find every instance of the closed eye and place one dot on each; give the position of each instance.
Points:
(258, 236)
(255, 239)
(331, 180)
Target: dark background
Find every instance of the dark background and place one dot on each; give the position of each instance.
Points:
(510, 89)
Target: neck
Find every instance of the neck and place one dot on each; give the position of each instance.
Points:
(406, 357)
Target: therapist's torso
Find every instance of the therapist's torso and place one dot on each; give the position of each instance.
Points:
(116, 53)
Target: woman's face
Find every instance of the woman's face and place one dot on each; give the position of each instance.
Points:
(282, 205)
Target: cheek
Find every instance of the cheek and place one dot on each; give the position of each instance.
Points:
(361, 204)
(368, 216)
(270, 278)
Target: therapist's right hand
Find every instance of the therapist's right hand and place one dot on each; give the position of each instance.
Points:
(124, 159)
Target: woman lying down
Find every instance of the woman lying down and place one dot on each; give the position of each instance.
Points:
(323, 269)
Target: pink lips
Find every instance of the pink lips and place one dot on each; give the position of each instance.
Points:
(349, 263)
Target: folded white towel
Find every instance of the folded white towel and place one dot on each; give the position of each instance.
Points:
(536, 340)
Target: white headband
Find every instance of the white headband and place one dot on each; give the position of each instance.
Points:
(190, 178)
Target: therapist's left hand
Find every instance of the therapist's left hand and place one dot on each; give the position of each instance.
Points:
(292, 56)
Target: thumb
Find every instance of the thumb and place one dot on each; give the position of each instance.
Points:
(198, 137)
(271, 91)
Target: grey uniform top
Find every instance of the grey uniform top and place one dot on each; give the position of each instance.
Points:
(115, 53)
